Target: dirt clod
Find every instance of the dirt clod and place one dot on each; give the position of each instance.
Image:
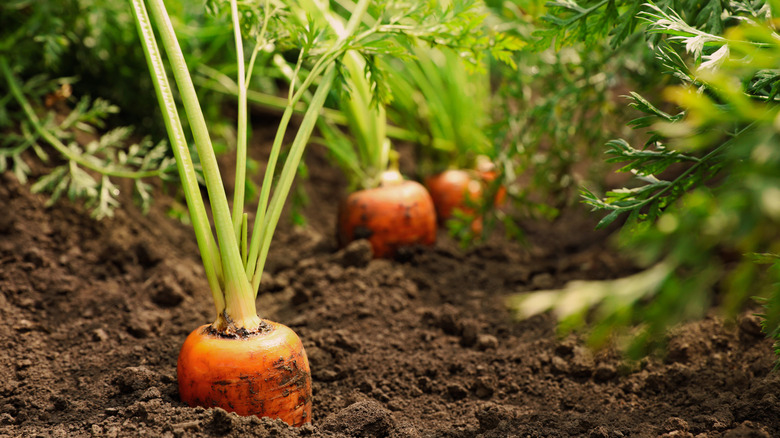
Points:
(487, 342)
(361, 419)
(357, 253)
(165, 291)
(133, 379)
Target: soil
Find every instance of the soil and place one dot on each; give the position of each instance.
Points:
(419, 346)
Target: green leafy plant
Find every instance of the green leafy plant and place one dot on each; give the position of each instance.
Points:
(90, 42)
(88, 167)
(234, 258)
(363, 150)
(554, 112)
(52, 126)
(707, 175)
(446, 101)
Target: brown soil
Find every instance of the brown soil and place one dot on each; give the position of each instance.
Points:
(421, 346)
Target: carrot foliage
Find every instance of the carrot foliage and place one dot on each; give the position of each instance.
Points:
(706, 184)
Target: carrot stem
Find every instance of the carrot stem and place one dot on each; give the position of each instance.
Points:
(289, 170)
(240, 181)
(240, 310)
(189, 181)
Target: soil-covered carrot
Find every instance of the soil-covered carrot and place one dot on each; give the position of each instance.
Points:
(399, 213)
(266, 372)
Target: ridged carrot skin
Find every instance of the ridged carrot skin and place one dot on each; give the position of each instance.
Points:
(390, 217)
(265, 374)
(455, 189)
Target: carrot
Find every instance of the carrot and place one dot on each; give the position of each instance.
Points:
(460, 190)
(239, 362)
(265, 374)
(397, 214)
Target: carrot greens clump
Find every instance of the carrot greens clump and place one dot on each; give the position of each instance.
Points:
(323, 40)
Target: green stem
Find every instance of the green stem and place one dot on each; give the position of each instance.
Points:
(265, 189)
(222, 83)
(290, 169)
(260, 41)
(54, 141)
(189, 181)
(240, 181)
(368, 121)
(240, 311)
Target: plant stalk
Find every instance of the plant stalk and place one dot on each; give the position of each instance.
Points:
(240, 310)
(240, 181)
(189, 181)
(289, 170)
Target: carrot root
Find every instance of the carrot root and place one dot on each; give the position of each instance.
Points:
(265, 374)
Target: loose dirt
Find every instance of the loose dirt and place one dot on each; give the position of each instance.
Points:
(420, 346)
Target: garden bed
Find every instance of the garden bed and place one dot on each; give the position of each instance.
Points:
(421, 346)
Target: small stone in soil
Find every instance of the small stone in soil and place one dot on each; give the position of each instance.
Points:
(604, 372)
(581, 364)
(139, 329)
(672, 424)
(487, 342)
(135, 378)
(99, 335)
(491, 415)
(469, 331)
(60, 403)
(358, 254)
(449, 320)
(364, 418)
(483, 387)
(151, 394)
(559, 365)
(678, 351)
(425, 384)
(326, 375)
(222, 422)
(598, 432)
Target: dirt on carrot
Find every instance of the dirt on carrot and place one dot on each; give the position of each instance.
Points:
(419, 347)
